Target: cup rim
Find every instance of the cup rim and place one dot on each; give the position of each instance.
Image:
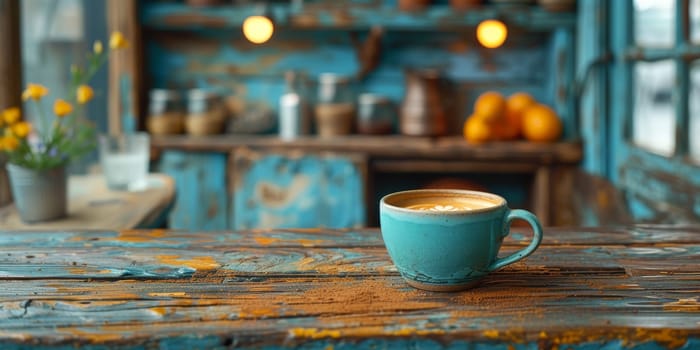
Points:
(501, 202)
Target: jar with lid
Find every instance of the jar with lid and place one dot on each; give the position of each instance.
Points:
(166, 114)
(335, 108)
(205, 113)
(376, 114)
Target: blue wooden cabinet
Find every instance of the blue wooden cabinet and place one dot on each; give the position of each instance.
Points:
(282, 188)
(201, 201)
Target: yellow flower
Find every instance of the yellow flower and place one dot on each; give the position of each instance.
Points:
(84, 94)
(21, 129)
(10, 115)
(9, 143)
(117, 41)
(35, 92)
(97, 47)
(62, 108)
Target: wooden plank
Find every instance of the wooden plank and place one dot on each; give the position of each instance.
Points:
(91, 205)
(200, 180)
(390, 146)
(642, 235)
(211, 292)
(428, 166)
(154, 254)
(10, 70)
(351, 15)
(125, 86)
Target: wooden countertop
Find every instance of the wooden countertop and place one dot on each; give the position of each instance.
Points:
(583, 288)
(388, 146)
(91, 205)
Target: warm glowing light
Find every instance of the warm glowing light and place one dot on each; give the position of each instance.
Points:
(491, 33)
(258, 29)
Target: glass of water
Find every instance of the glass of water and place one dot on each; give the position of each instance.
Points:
(124, 159)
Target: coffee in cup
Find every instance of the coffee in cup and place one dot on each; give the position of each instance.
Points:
(448, 240)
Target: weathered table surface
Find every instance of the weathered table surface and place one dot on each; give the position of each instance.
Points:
(583, 288)
(91, 205)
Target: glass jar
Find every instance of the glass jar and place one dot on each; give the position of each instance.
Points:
(335, 107)
(205, 113)
(376, 114)
(165, 112)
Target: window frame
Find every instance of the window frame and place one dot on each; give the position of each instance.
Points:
(658, 187)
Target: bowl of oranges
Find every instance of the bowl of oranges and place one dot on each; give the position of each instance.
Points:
(518, 116)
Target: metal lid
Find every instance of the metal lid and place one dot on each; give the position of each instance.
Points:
(201, 94)
(164, 94)
(369, 98)
(329, 78)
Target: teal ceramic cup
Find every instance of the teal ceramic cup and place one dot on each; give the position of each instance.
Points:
(448, 240)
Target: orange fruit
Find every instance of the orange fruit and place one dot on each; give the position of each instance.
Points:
(520, 101)
(512, 121)
(477, 130)
(510, 127)
(490, 105)
(541, 124)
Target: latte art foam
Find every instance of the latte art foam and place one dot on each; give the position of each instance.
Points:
(437, 207)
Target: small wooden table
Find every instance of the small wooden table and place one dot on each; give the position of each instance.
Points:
(91, 205)
(583, 288)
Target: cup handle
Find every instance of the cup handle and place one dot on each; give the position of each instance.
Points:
(536, 239)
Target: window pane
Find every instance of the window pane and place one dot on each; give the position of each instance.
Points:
(694, 106)
(695, 21)
(654, 111)
(653, 22)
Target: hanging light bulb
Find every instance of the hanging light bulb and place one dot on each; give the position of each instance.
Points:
(491, 33)
(258, 29)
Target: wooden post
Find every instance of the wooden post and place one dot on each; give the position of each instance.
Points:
(11, 73)
(124, 68)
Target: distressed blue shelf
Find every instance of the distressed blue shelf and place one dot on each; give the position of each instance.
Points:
(174, 16)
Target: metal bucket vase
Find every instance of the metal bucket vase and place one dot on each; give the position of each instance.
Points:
(39, 195)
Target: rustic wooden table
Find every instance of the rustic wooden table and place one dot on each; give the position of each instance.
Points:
(91, 205)
(582, 289)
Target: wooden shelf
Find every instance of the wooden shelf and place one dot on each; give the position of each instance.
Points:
(393, 146)
(175, 16)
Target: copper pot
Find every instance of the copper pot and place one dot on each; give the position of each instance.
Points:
(425, 109)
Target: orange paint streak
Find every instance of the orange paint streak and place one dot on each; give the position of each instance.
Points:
(159, 311)
(259, 312)
(266, 240)
(198, 263)
(77, 270)
(313, 333)
(683, 305)
(140, 235)
(309, 242)
(168, 294)
(91, 336)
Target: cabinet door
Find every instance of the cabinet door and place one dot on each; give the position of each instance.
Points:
(295, 189)
(200, 183)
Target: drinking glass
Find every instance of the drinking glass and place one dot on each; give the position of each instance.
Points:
(124, 159)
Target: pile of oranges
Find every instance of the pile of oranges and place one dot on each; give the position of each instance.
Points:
(497, 118)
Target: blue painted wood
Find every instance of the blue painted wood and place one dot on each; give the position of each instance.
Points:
(210, 52)
(585, 288)
(201, 192)
(349, 15)
(281, 189)
(562, 58)
(593, 113)
(661, 188)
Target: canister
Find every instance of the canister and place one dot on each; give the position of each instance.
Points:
(166, 114)
(205, 113)
(376, 114)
